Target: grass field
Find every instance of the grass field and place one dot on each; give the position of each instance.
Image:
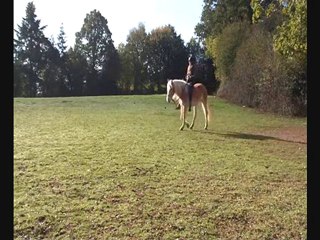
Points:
(117, 167)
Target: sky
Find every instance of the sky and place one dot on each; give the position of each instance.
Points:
(122, 16)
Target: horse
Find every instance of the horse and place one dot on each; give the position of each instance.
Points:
(177, 90)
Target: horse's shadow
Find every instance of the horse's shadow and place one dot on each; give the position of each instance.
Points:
(248, 136)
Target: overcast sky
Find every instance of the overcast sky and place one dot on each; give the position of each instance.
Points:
(122, 16)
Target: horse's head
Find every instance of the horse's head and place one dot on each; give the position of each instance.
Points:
(170, 90)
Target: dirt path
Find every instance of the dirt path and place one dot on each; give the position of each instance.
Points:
(293, 134)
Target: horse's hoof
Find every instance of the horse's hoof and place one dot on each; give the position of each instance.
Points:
(181, 128)
(191, 126)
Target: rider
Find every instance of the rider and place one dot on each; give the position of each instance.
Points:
(191, 76)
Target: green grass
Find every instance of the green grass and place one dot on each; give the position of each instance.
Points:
(117, 167)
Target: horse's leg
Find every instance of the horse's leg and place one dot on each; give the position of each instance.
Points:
(185, 119)
(187, 124)
(194, 116)
(205, 112)
(183, 116)
(183, 113)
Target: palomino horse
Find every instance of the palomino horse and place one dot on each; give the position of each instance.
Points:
(177, 90)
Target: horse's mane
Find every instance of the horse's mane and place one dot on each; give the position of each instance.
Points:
(178, 80)
(179, 85)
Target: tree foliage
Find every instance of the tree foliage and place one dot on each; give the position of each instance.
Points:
(126, 81)
(94, 42)
(217, 14)
(32, 53)
(262, 9)
(223, 49)
(194, 47)
(77, 68)
(63, 75)
(93, 66)
(262, 64)
(167, 56)
(291, 37)
(136, 51)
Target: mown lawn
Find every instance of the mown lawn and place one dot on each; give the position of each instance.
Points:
(117, 167)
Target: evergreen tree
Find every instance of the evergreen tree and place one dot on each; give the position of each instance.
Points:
(63, 75)
(77, 67)
(49, 74)
(31, 54)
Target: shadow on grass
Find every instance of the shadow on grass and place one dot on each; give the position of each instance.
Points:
(248, 136)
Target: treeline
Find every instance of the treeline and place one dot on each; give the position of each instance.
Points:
(259, 48)
(94, 66)
(255, 51)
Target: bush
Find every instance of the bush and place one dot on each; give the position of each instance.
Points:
(223, 49)
(263, 79)
(250, 61)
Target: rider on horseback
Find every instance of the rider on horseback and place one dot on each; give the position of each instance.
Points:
(191, 77)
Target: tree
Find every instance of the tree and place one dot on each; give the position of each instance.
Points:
(77, 67)
(49, 73)
(223, 49)
(136, 49)
(291, 37)
(217, 14)
(167, 56)
(63, 75)
(194, 48)
(19, 80)
(110, 73)
(267, 13)
(94, 42)
(126, 80)
(62, 42)
(30, 54)
(291, 42)
(205, 27)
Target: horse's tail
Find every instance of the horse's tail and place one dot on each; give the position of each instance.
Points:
(205, 107)
(209, 112)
